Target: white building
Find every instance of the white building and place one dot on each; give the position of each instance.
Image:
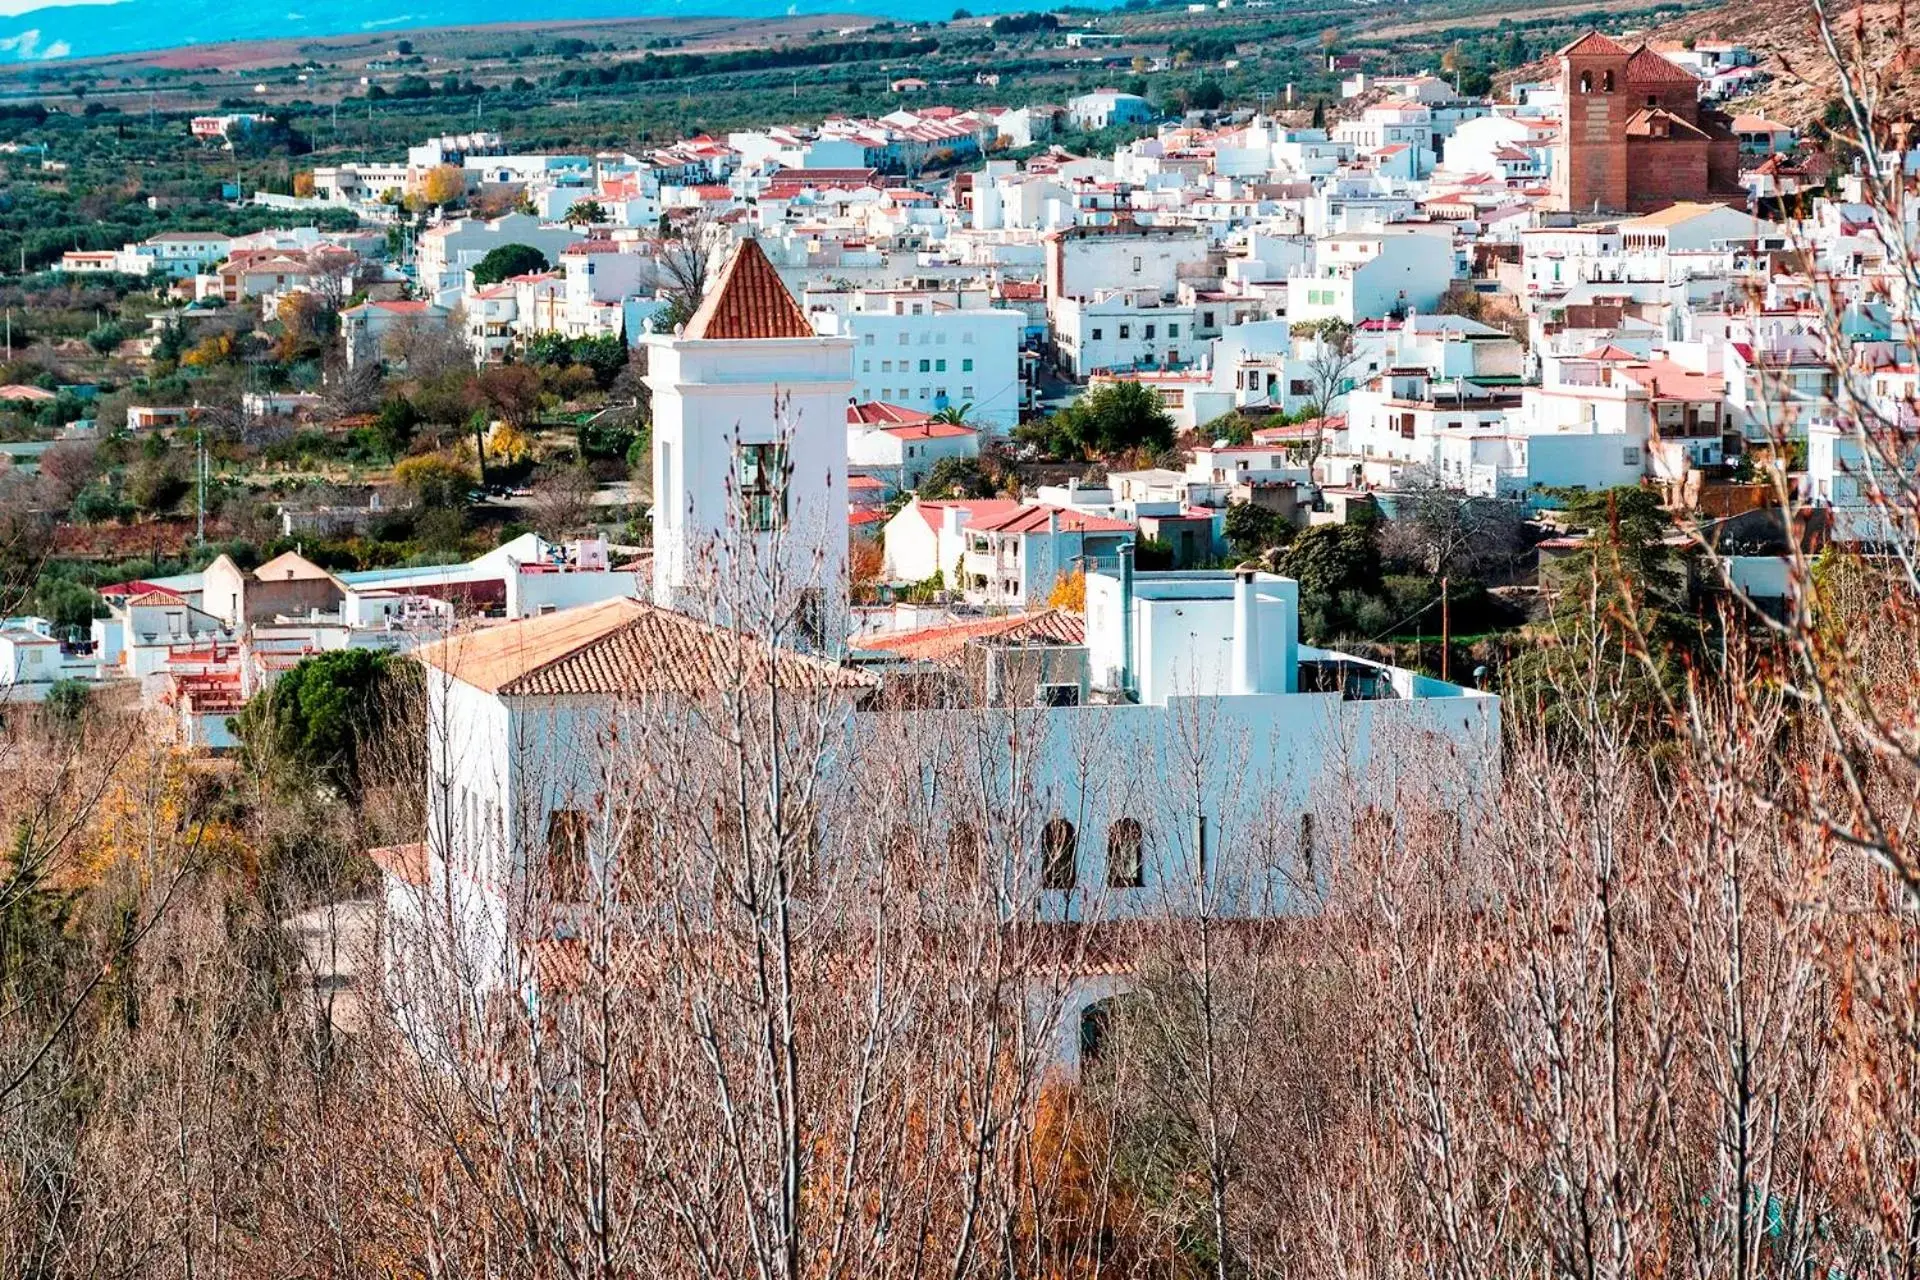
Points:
(901, 445)
(1123, 329)
(930, 349)
(1364, 275)
(448, 251)
(744, 400)
(1105, 108)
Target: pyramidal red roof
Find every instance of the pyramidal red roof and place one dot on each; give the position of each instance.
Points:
(1593, 44)
(1648, 67)
(749, 301)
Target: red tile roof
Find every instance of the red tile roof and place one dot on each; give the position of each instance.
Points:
(406, 863)
(1034, 520)
(876, 413)
(1594, 44)
(749, 302)
(930, 430)
(625, 648)
(946, 643)
(972, 509)
(1648, 67)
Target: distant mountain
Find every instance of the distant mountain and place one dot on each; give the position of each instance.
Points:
(127, 26)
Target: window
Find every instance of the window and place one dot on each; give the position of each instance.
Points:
(1057, 870)
(926, 393)
(567, 855)
(1136, 266)
(1586, 82)
(1606, 84)
(939, 366)
(1126, 331)
(866, 366)
(1148, 335)
(940, 338)
(966, 393)
(926, 366)
(866, 340)
(1096, 335)
(1095, 1022)
(1173, 331)
(966, 365)
(966, 337)
(1630, 456)
(665, 511)
(966, 849)
(906, 339)
(763, 484)
(1125, 866)
(1206, 318)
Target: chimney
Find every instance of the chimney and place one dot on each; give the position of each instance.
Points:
(1053, 521)
(1126, 620)
(1246, 634)
(952, 516)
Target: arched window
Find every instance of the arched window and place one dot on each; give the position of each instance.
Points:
(1126, 843)
(966, 849)
(1057, 848)
(1606, 83)
(1586, 82)
(567, 855)
(1096, 1020)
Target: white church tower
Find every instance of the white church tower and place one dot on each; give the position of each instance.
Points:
(749, 446)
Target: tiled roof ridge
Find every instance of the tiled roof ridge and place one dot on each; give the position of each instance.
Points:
(749, 301)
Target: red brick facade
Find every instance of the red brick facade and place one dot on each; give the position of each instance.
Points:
(1635, 136)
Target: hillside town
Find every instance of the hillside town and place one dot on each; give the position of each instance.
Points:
(1499, 304)
(891, 678)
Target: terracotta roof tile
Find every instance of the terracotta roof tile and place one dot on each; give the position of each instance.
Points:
(749, 301)
(622, 648)
(946, 643)
(1034, 519)
(1594, 44)
(1648, 67)
(406, 863)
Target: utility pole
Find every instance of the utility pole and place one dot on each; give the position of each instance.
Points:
(200, 506)
(1446, 627)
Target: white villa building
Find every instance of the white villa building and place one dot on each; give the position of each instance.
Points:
(524, 715)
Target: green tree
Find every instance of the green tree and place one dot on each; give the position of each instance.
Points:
(67, 700)
(156, 484)
(317, 720)
(1207, 96)
(1621, 601)
(1115, 417)
(957, 478)
(507, 261)
(586, 213)
(1330, 558)
(395, 424)
(1251, 529)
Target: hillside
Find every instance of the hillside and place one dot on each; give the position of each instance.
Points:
(1783, 35)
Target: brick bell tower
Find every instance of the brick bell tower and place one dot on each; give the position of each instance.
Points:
(1591, 169)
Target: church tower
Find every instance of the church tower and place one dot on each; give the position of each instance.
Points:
(749, 449)
(1591, 170)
